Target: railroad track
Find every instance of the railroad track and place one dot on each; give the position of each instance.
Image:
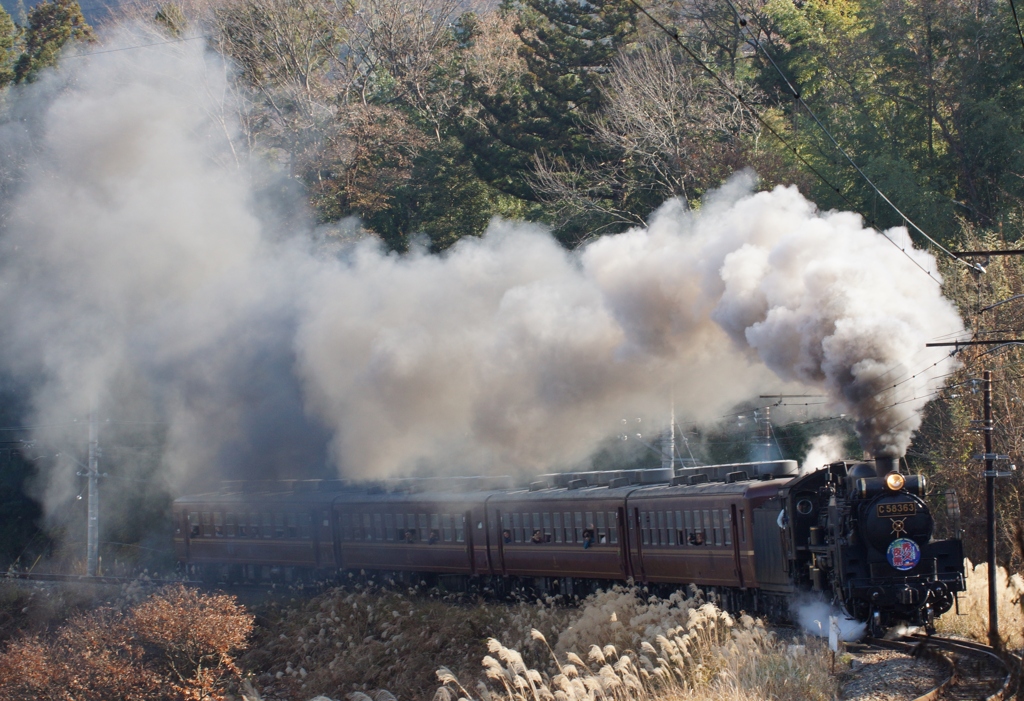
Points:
(974, 672)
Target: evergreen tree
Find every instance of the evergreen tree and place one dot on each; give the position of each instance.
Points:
(926, 97)
(51, 25)
(568, 48)
(9, 36)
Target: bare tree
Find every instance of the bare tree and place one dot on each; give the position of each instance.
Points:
(670, 131)
(405, 48)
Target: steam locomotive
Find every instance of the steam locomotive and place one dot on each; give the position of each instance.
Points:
(754, 534)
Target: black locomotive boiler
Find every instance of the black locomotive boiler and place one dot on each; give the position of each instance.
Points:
(755, 534)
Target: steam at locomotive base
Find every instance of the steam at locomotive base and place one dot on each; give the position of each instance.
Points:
(150, 267)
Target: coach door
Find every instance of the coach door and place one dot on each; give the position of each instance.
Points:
(737, 561)
(498, 533)
(625, 566)
(638, 548)
(336, 537)
(467, 528)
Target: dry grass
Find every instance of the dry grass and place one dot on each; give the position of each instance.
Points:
(619, 644)
(668, 649)
(360, 639)
(973, 621)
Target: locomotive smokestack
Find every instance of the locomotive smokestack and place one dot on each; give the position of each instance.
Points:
(884, 464)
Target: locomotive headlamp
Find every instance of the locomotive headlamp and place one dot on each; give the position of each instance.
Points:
(895, 481)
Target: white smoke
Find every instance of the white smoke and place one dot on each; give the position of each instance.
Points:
(141, 271)
(825, 449)
(813, 616)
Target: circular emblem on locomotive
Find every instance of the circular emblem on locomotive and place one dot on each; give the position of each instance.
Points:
(904, 554)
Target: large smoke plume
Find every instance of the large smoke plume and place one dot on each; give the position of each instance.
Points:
(142, 272)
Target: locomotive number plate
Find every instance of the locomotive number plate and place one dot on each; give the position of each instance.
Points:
(902, 508)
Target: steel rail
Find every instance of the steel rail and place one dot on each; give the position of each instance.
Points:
(929, 646)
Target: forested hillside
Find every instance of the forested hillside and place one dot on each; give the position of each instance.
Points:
(423, 120)
(429, 117)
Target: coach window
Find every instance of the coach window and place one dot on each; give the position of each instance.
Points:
(254, 525)
(602, 534)
(229, 525)
(460, 528)
(670, 528)
(400, 535)
(727, 526)
(548, 535)
(243, 525)
(717, 515)
(346, 526)
(424, 530)
(268, 525)
(567, 524)
(389, 526)
(680, 529)
(707, 527)
(527, 529)
(662, 529)
(578, 520)
(410, 526)
(306, 525)
(193, 524)
(378, 527)
(559, 533)
(218, 524)
(446, 527)
(517, 525)
(613, 527)
(645, 528)
(291, 525)
(279, 525)
(325, 518)
(367, 528)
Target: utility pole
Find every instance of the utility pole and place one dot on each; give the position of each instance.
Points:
(93, 523)
(989, 457)
(990, 506)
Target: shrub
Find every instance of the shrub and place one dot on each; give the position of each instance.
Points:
(178, 644)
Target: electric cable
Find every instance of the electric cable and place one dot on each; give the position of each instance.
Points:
(753, 40)
(1013, 8)
(140, 46)
(674, 35)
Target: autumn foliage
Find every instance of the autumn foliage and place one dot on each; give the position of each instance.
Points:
(178, 644)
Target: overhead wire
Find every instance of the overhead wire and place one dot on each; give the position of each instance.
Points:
(1013, 8)
(753, 40)
(674, 35)
(139, 46)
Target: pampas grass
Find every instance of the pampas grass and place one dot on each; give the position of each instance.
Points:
(645, 648)
(973, 621)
